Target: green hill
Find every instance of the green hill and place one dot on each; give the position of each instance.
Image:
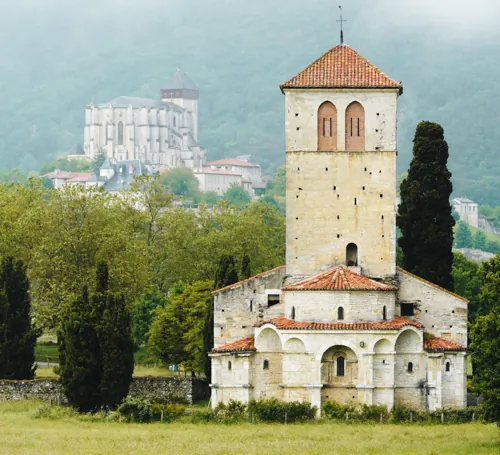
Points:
(57, 56)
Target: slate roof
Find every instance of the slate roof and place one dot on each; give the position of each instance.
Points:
(137, 103)
(338, 279)
(342, 67)
(397, 323)
(245, 344)
(180, 81)
(435, 344)
(239, 283)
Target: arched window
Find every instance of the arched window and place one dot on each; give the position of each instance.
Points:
(327, 127)
(447, 367)
(340, 314)
(229, 366)
(340, 366)
(410, 367)
(355, 128)
(120, 133)
(175, 121)
(351, 253)
(266, 365)
(384, 313)
(293, 313)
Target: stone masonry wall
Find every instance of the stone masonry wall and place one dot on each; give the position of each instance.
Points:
(155, 389)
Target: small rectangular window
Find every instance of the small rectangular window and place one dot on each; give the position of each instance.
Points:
(351, 126)
(331, 127)
(324, 127)
(273, 299)
(358, 128)
(407, 309)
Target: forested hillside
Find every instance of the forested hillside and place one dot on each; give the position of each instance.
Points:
(56, 56)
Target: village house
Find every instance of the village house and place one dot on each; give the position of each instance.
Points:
(467, 209)
(339, 321)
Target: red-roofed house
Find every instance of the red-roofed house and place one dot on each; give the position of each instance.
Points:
(340, 322)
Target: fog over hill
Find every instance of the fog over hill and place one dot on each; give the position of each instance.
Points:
(56, 56)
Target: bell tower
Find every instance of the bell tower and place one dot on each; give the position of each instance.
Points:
(341, 121)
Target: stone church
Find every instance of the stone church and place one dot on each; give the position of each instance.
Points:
(340, 322)
(161, 133)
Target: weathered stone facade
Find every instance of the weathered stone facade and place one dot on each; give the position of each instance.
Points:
(159, 389)
(340, 322)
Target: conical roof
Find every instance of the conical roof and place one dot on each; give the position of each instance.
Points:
(180, 81)
(341, 67)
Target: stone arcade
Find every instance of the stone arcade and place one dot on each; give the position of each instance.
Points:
(340, 321)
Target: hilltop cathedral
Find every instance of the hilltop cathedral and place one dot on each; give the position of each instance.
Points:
(340, 321)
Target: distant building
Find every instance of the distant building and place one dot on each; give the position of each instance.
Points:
(467, 209)
(158, 132)
(63, 178)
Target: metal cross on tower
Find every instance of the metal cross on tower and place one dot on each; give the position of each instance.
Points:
(341, 26)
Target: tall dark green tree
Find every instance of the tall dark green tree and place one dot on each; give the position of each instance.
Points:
(80, 355)
(114, 333)
(17, 334)
(96, 350)
(226, 275)
(425, 217)
(246, 270)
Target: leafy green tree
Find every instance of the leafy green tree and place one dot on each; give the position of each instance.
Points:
(176, 335)
(80, 355)
(493, 247)
(210, 197)
(456, 216)
(485, 344)
(237, 196)
(97, 162)
(142, 313)
(468, 279)
(278, 184)
(17, 334)
(463, 236)
(479, 241)
(181, 182)
(425, 216)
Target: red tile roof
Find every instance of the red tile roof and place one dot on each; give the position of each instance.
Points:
(435, 344)
(338, 279)
(397, 323)
(245, 344)
(342, 67)
(231, 162)
(239, 283)
(399, 269)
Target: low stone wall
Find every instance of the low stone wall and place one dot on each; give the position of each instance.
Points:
(187, 390)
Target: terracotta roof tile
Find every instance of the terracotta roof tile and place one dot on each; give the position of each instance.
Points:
(239, 283)
(399, 269)
(342, 67)
(397, 323)
(245, 344)
(338, 279)
(435, 344)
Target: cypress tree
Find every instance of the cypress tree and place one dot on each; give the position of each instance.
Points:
(17, 335)
(225, 276)
(246, 271)
(80, 356)
(425, 217)
(96, 349)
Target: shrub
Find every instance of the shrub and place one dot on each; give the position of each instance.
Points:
(234, 411)
(167, 412)
(201, 416)
(456, 415)
(136, 410)
(274, 410)
(350, 412)
(404, 414)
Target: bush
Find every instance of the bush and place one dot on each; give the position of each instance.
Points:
(234, 411)
(456, 415)
(358, 413)
(136, 410)
(403, 414)
(274, 410)
(201, 416)
(168, 412)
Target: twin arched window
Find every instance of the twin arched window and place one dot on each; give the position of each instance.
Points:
(354, 127)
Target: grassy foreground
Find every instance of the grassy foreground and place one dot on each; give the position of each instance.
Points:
(21, 433)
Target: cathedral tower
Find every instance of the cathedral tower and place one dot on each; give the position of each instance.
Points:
(181, 90)
(341, 121)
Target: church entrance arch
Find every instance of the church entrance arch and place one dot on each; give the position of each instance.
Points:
(339, 375)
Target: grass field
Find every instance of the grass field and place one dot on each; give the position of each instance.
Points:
(139, 371)
(21, 433)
